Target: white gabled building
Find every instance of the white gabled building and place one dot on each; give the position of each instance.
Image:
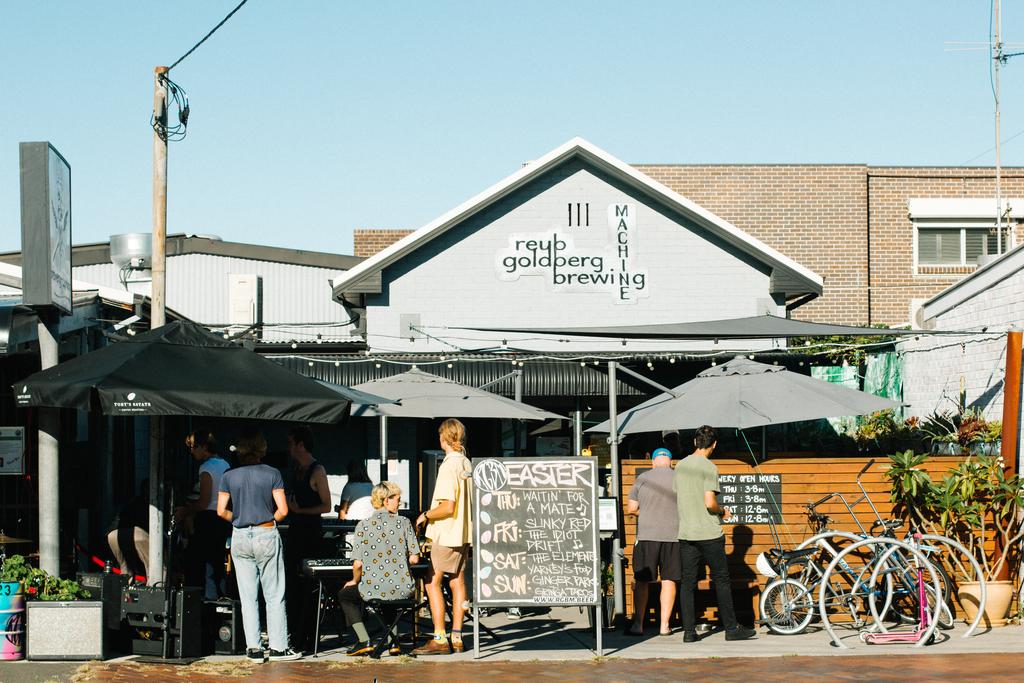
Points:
(575, 238)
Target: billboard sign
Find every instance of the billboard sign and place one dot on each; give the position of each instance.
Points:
(45, 226)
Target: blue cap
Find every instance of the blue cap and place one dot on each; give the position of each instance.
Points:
(661, 451)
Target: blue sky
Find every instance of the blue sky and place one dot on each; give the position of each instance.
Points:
(310, 119)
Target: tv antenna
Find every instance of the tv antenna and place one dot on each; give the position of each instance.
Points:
(999, 59)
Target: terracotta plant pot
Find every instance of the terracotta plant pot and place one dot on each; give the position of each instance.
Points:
(997, 601)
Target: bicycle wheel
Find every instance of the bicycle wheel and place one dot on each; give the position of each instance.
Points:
(904, 606)
(786, 607)
(878, 550)
(960, 562)
(846, 590)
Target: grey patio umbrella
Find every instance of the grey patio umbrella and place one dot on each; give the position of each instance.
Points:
(357, 397)
(742, 394)
(421, 394)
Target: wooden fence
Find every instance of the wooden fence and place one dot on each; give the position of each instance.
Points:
(805, 479)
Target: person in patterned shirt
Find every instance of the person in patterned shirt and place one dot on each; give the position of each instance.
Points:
(384, 547)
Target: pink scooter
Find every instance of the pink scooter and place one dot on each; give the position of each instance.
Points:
(915, 636)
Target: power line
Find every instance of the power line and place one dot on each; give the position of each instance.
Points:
(212, 31)
(990, 149)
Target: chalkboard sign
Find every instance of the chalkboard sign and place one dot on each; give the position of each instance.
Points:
(753, 498)
(536, 535)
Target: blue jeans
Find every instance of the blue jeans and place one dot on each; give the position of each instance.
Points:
(256, 552)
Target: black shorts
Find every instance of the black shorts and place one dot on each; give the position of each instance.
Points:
(652, 559)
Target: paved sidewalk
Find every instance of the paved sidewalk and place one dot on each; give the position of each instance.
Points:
(528, 648)
(1003, 667)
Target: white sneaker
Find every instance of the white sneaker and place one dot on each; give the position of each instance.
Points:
(284, 655)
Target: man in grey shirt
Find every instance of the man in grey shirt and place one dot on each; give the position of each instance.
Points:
(701, 538)
(657, 546)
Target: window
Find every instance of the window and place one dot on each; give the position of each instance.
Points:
(958, 245)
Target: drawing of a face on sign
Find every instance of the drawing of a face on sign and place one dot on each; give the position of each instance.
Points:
(60, 230)
(490, 476)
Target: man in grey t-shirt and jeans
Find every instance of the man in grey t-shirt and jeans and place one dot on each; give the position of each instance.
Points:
(656, 554)
(701, 538)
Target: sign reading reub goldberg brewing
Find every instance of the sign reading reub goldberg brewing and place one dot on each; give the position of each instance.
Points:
(609, 267)
(535, 532)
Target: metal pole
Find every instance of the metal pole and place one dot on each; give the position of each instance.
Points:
(577, 430)
(997, 57)
(613, 443)
(383, 447)
(156, 501)
(476, 631)
(159, 286)
(49, 460)
(517, 432)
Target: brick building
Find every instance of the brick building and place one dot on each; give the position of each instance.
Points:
(851, 223)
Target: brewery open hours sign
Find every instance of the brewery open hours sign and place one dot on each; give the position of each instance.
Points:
(535, 532)
(753, 498)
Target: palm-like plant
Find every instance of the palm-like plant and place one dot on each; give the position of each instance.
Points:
(976, 503)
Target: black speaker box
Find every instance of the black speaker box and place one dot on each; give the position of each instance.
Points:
(222, 627)
(167, 621)
(107, 587)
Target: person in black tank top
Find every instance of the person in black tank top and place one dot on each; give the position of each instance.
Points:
(310, 498)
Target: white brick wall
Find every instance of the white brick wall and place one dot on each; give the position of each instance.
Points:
(935, 368)
(455, 280)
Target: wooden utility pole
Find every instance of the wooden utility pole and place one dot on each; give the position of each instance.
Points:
(160, 113)
(157, 317)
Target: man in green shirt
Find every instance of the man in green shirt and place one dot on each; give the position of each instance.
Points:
(701, 539)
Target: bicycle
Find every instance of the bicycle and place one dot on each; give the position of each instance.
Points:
(786, 603)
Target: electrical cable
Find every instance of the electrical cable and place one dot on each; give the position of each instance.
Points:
(212, 31)
(176, 132)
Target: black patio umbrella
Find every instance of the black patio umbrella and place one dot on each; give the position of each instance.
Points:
(182, 369)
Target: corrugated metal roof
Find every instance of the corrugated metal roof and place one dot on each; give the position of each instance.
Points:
(297, 302)
(540, 377)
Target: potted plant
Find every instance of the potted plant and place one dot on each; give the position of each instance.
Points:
(13, 572)
(47, 616)
(991, 440)
(976, 504)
